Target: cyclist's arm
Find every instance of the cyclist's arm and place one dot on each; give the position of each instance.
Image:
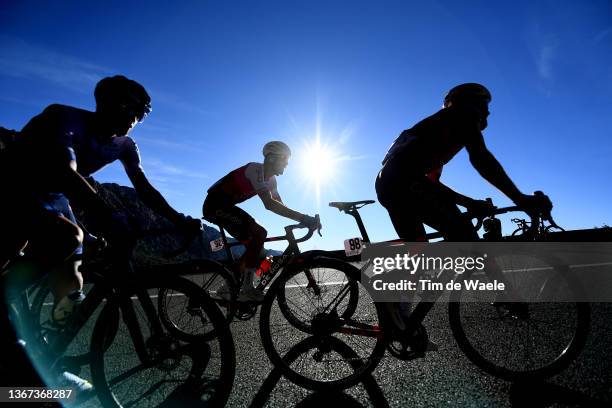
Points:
(76, 188)
(490, 169)
(278, 207)
(460, 199)
(153, 198)
(274, 191)
(130, 158)
(51, 164)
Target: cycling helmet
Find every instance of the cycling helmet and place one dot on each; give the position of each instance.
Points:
(469, 91)
(125, 93)
(277, 148)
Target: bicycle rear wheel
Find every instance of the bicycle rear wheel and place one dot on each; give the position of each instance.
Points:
(326, 332)
(174, 372)
(534, 339)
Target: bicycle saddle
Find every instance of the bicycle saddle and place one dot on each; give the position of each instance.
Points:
(345, 206)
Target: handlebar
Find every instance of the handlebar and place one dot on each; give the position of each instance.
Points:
(289, 230)
(481, 217)
(543, 215)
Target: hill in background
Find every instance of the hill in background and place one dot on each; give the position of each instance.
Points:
(150, 250)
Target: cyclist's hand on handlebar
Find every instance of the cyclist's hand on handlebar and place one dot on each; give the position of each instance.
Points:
(93, 243)
(189, 226)
(536, 204)
(480, 208)
(312, 223)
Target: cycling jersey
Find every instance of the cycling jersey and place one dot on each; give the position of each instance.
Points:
(408, 184)
(243, 183)
(59, 133)
(73, 132)
(426, 147)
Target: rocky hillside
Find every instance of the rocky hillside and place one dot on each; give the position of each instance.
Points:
(150, 250)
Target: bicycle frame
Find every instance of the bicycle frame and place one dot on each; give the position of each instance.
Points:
(282, 260)
(102, 289)
(424, 306)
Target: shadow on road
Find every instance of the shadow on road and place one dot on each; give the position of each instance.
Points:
(319, 398)
(322, 398)
(542, 394)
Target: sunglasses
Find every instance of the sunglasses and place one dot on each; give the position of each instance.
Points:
(133, 110)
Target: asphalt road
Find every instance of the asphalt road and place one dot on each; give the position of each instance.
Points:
(444, 378)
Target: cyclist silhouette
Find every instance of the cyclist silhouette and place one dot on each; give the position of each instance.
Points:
(239, 185)
(409, 187)
(45, 164)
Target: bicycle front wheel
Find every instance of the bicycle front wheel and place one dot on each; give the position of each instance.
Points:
(522, 340)
(339, 336)
(313, 281)
(161, 369)
(185, 319)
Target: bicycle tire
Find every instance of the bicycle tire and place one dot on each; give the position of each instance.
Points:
(178, 372)
(316, 373)
(313, 267)
(72, 362)
(184, 320)
(574, 314)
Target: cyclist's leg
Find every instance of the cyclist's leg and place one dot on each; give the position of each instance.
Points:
(409, 228)
(440, 212)
(55, 237)
(438, 209)
(244, 228)
(65, 280)
(15, 367)
(397, 202)
(247, 230)
(422, 201)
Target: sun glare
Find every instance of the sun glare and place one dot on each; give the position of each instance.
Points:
(318, 165)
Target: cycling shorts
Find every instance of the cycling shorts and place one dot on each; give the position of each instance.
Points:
(417, 200)
(58, 204)
(236, 221)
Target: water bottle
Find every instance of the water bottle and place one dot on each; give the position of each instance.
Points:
(264, 267)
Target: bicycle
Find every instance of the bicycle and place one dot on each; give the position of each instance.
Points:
(246, 310)
(208, 274)
(170, 366)
(368, 328)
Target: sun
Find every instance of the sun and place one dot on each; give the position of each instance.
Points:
(318, 165)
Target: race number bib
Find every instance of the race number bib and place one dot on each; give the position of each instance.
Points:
(216, 245)
(353, 246)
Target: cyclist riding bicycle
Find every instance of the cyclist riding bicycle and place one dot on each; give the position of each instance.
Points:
(238, 186)
(409, 187)
(45, 164)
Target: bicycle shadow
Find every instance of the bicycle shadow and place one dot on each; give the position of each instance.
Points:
(199, 390)
(541, 394)
(318, 399)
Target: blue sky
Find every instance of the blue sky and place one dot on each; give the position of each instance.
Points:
(226, 77)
